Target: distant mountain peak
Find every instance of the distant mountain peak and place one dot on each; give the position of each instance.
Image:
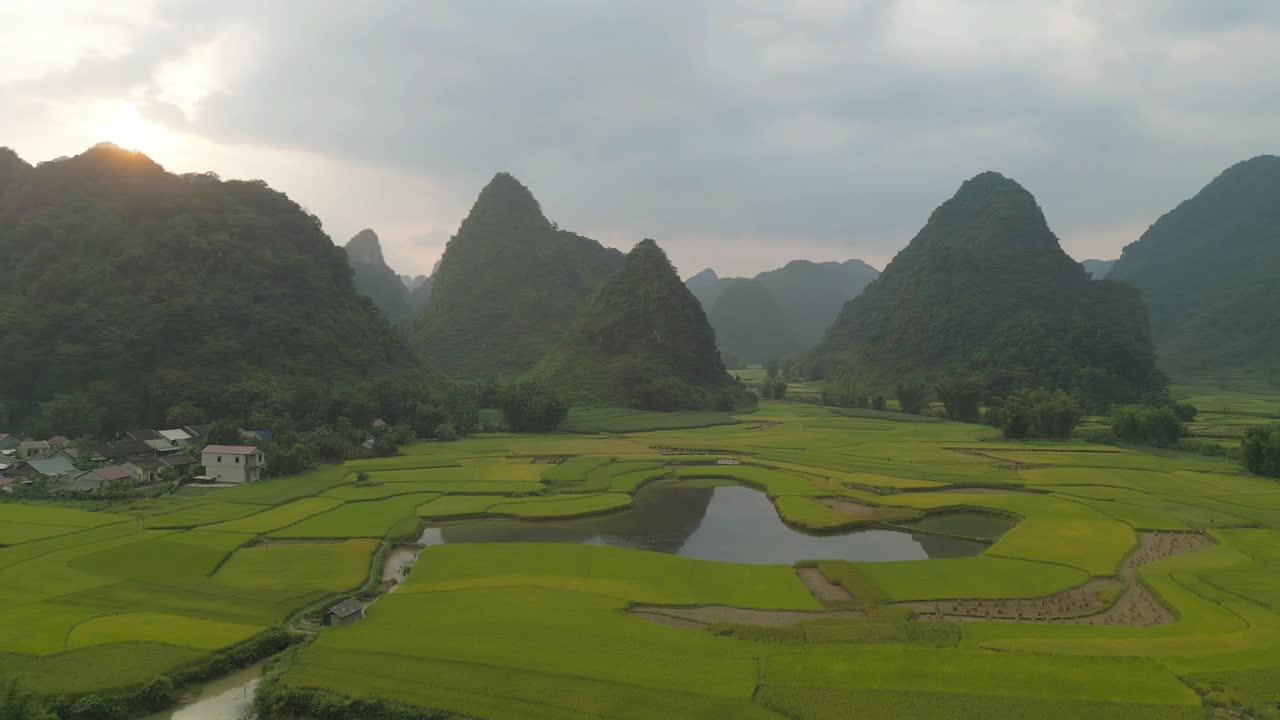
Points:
(507, 196)
(365, 247)
(985, 287)
(508, 286)
(642, 341)
(707, 275)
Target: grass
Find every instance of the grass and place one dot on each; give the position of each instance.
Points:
(159, 628)
(618, 420)
(334, 567)
(372, 519)
(278, 517)
(202, 514)
(100, 596)
(563, 508)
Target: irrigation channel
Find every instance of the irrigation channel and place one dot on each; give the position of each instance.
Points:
(227, 698)
(730, 523)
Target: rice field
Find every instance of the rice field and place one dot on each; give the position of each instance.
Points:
(110, 598)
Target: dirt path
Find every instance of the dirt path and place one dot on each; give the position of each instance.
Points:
(852, 509)
(1089, 604)
(710, 614)
(827, 592)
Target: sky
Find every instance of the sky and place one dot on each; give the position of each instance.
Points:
(738, 134)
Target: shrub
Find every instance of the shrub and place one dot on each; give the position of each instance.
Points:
(1037, 413)
(912, 397)
(528, 406)
(1158, 426)
(961, 398)
(1260, 450)
(1202, 446)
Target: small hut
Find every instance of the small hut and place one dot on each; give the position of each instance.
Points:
(346, 612)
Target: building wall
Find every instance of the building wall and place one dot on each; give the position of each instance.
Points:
(351, 619)
(228, 470)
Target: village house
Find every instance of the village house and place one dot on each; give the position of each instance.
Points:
(177, 436)
(55, 466)
(145, 470)
(9, 443)
(92, 480)
(345, 613)
(233, 463)
(28, 449)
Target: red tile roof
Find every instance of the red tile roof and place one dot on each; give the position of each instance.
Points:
(114, 472)
(231, 449)
(58, 440)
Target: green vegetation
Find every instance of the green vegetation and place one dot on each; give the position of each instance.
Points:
(166, 250)
(1156, 426)
(642, 342)
(105, 601)
(1206, 270)
(1036, 413)
(750, 324)
(808, 296)
(376, 280)
(1260, 449)
(983, 286)
(509, 285)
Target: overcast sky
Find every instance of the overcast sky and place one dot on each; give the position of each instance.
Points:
(738, 134)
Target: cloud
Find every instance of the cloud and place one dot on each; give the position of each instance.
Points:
(738, 133)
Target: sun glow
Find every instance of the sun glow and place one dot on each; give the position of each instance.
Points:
(122, 124)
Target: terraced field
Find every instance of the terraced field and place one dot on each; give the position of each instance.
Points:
(1124, 584)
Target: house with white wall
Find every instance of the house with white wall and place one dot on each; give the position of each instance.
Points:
(233, 463)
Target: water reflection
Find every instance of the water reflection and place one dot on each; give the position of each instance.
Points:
(729, 523)
(227, 698)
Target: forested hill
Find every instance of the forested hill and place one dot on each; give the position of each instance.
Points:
(1098, 269)
(508, 287)
(750, 325)
(1209, 270)
(809, 295)
(375, 279)
(127, 291)
(985, 288)
(642, 341)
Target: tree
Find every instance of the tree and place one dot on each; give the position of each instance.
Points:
(912, 397)
(771, 368)
(528, 406)
(1158, 426)
(224, 432)
(1260, 450)
(779, 390)
(1038, 413)
(184, 413)
(961, 398)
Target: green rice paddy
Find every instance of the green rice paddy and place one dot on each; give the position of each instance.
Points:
(110, 599)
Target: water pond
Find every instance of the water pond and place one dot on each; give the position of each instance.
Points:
(725, 522)
(227, 698)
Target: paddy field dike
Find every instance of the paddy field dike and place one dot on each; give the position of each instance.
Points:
(905, 569)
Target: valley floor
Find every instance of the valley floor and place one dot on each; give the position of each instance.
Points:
(1122, 584)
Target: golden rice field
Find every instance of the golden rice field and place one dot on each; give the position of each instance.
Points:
(1087, 605)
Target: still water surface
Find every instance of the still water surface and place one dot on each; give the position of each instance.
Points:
(728, 522)
(227, 698)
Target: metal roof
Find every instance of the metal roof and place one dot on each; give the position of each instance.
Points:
(231, 449)
(347, 608)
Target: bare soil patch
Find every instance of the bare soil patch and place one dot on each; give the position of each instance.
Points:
(1134, 604)
(711, 614)
(827, 592)
(670, 620)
